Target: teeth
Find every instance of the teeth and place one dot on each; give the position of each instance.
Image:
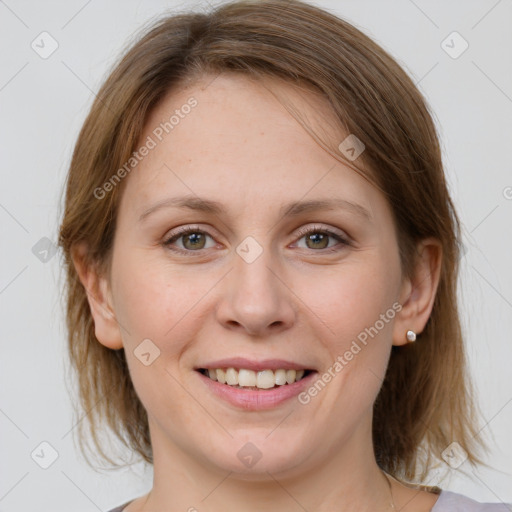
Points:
(264, 379)
(231, 377)
(280, 377)
(221, 376)
(290, 376)
(246, 378)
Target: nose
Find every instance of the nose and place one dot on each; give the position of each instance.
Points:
(256, 299)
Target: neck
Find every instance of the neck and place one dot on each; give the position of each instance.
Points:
(348, 479)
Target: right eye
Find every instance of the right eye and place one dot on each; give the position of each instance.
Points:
(191, 238)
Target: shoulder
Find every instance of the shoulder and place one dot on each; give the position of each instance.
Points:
(454, 502)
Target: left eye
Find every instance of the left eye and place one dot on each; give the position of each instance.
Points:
(193, 239)
(318, 238)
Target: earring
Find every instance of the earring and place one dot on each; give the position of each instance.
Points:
(411, 336)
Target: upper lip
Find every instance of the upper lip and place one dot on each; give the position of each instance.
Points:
(255, 365)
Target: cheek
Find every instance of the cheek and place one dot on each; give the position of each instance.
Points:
(155, 302)
(352, 299)
(158, 301)
(145, 301)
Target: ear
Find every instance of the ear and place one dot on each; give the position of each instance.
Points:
(418, 292)
(99, 295)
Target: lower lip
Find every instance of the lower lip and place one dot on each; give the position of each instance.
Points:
(253, 400)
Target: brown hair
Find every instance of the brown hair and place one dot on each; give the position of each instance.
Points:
(426, 400)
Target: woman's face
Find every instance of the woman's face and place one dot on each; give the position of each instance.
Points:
(248, 288)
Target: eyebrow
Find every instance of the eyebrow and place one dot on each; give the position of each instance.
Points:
(288, 210)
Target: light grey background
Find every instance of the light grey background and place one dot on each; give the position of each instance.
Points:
(43, 104)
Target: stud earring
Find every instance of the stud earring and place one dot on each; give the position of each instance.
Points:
(411, 336)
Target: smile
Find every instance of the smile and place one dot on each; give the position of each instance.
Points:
(249, 379)
(259, 388)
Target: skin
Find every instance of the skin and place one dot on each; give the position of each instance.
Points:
(239, 146)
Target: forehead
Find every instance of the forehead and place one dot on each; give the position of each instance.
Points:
(232, 139)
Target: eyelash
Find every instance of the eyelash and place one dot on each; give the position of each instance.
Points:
(301, 234)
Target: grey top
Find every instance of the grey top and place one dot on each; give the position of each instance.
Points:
(447, 502)
(120, 508)
(453, 502)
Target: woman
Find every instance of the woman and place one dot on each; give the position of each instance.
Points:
(262, 259)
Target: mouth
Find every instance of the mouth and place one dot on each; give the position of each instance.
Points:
(253, 385)
(251, 380)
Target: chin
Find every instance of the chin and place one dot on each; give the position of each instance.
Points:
(254, 455)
